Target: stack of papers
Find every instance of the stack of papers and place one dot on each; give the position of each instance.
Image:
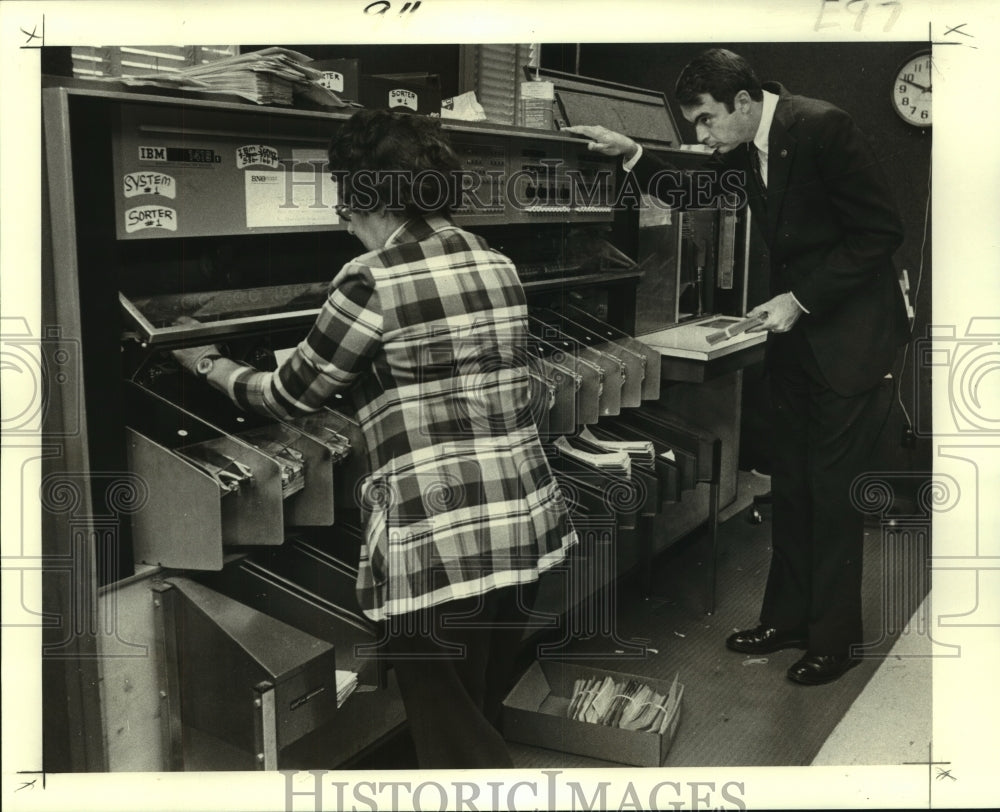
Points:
(616, 463)
(271, 76)
(347, 681)
(639, 451)
(628, 704)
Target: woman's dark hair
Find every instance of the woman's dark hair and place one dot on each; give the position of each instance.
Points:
(720, 73)
(398, 160)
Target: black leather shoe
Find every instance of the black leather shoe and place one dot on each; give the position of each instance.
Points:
(764, 640)
(817, 669)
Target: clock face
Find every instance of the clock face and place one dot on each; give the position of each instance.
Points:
(911, 91)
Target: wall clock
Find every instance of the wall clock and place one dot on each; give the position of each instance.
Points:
(911, 90)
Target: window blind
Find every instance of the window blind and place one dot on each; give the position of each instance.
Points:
(495, 73)
(136, 60)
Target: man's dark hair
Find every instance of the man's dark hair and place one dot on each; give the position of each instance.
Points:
(398, 160)
(720, 73)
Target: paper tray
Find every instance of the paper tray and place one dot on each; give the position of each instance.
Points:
(534, 713)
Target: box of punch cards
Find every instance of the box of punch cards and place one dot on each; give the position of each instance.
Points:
(591, 712)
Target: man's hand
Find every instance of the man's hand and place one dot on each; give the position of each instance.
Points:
(604, 141)
(778, 315)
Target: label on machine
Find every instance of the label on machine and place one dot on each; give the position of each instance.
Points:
(141, 218)
(289, 199)
(135, 184)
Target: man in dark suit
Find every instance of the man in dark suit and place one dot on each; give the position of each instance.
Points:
(835, 320)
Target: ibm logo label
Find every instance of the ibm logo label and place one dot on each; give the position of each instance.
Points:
(152, 153)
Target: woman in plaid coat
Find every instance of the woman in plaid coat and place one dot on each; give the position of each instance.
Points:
(425, 335)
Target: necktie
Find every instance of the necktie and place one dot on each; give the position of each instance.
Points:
(757, 172)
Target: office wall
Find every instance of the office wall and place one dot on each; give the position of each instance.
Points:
(857, 77)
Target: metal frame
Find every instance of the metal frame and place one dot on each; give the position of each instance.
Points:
(149, 335)
(71, 687)
(586, 85)
(171, 729)
(265, 729)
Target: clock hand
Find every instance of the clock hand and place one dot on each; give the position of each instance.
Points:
(925, 89)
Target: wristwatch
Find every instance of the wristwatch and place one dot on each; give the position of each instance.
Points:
(205, 365)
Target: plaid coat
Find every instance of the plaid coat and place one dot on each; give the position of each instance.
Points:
(427, 338)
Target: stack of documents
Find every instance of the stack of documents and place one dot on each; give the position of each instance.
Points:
(616, 463)
(628, 704)
(270, 76)
(639, 451)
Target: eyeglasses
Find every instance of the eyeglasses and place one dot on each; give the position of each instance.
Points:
(343, 211)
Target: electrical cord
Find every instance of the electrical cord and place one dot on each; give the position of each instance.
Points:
(916, 295)
(888, 410)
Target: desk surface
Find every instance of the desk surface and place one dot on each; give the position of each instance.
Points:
(690, 339)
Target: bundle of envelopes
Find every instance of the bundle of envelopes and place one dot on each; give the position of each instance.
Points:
(628, 704)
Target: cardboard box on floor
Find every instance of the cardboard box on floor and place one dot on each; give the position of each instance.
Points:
(535, 713)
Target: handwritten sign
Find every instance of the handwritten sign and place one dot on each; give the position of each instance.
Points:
(256, 155)
(332, 80)
(149, 183)
(403, 98)
(142, 218)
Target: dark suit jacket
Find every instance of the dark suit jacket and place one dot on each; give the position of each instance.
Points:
(831, 226)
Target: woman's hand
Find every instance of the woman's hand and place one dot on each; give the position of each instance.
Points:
(188, 357)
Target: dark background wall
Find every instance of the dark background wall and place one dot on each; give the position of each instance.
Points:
(858, 77)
